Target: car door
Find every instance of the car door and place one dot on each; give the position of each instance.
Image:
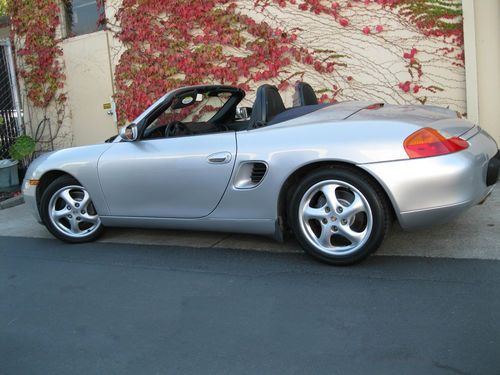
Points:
(182, 177)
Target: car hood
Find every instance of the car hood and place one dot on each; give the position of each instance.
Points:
(69, 160)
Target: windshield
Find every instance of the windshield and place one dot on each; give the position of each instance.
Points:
(150, 109)
(191, 108)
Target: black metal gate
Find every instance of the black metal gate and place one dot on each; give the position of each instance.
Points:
(10, 113)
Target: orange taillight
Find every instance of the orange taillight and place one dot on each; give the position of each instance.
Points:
(429, 142)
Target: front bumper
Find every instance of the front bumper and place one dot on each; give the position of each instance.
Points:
(434, 190)
(29, 194)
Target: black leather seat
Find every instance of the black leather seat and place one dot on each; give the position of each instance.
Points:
(304, 95)
(268, 104)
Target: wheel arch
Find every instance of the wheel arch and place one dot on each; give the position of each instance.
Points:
(288, 186)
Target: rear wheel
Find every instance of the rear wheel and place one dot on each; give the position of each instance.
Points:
(68, 212)
(339, 215)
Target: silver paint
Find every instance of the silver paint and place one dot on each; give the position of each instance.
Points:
(169, 177)
(171, 182)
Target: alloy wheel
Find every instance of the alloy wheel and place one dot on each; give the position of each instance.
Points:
(335, 217)
(72, 213)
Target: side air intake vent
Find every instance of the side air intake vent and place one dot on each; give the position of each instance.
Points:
(250, 174)
(258, 172)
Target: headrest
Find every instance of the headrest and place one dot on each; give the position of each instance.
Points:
(304, 95)
(268, 103)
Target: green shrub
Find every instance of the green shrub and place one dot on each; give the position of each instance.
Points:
(22, 148)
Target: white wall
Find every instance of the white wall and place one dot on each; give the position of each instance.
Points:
(89, 86)
(89, 79)
(487, 20)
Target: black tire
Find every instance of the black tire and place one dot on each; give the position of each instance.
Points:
(87, 234)
(378, 215)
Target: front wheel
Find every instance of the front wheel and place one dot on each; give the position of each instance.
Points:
(339, 215)
(68, 212)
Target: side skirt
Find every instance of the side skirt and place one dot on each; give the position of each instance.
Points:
(253, 226)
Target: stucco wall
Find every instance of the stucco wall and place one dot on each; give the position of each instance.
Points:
(371, 64)
(487, 21)
(88, 87)
(358, 50)
(367, 65)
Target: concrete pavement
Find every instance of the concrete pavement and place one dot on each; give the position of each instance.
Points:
(476, 235)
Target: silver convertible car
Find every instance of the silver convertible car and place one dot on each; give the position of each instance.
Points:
(333, 175)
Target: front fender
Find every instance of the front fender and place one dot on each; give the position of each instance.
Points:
(79, 162)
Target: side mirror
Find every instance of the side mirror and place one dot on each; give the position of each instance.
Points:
(129, 133)
(243, 113)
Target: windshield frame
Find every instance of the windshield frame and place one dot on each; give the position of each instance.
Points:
(166, 101)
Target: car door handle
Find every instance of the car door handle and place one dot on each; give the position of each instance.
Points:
(220, 158)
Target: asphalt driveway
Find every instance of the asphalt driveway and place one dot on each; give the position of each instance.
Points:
(104, 308)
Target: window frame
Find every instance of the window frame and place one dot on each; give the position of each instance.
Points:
(67, 22)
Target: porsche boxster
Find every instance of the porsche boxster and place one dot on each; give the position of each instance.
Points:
(333, 175)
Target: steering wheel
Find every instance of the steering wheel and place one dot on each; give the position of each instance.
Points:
(175, 127)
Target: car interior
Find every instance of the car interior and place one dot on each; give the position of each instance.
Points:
(213, 109)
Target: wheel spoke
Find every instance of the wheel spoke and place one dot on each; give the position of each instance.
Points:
(93, 219)
(85, 200)
(331, 198)
(325, 236)
(314, 213)
(67, 197)
(354, 208)
(354, 237)
(58, 214)
(75, 228)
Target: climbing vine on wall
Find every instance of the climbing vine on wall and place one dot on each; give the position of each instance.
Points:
(34, 24)
(175, 43)
(431, 17)
(171, 43)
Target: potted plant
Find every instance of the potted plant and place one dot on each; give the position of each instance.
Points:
(20, 151)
